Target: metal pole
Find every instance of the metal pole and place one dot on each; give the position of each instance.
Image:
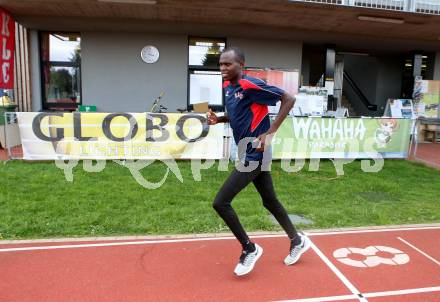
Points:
(414, 139)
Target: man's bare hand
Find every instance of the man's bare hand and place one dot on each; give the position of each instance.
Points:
(263, 140)
(212, 117)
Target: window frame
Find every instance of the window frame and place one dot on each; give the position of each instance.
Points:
(192, 68)
(63, 106)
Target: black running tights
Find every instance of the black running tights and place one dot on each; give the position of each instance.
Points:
(236, 182)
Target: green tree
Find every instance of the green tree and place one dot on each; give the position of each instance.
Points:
(212, 55)
(76, 60)
(61, 83)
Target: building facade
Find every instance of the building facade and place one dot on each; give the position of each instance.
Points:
(89, 52)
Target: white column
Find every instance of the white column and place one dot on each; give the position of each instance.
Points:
(410, 5)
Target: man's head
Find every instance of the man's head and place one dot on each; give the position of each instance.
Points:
(231, 63)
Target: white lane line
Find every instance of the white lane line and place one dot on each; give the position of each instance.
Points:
(324, 299)
(338, 273)
(121, 243)
(370, 231)
(279, 234)
(369, 295)
(420, 251)
(72, 246)
(403, 292)
(209, 235)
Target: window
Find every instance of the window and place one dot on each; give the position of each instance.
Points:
(205, 81)
(205, 86)
(60, 70)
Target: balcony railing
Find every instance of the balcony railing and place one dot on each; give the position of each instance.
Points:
(414, 6)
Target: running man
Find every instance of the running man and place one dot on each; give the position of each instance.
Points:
(246, 100)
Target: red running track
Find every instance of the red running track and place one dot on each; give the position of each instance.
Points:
(200, 269)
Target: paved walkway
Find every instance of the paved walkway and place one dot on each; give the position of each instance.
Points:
(427, 153)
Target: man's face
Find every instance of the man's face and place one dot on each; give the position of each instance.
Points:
(230, 68)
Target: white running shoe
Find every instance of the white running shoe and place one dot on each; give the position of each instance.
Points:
(297, 250)
(247, 261)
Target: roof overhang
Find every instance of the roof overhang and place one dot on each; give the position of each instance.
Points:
(312, 23)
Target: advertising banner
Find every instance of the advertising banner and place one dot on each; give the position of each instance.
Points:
(57, 135)
(426, 98)
(310, 137)
(7, 50)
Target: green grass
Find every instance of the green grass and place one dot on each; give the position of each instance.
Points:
(36, 201)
